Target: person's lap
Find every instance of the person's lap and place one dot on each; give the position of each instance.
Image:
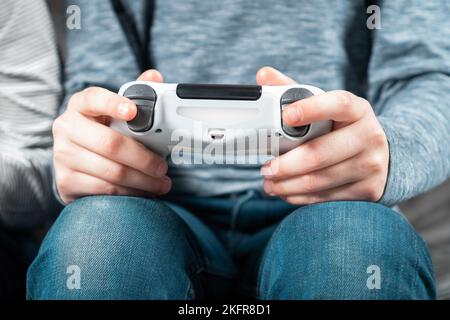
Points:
(210, 248)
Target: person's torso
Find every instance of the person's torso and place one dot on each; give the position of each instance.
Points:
(322, 43)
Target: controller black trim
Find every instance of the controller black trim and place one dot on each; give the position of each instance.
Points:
(219, 92)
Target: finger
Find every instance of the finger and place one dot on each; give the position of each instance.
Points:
(318, 153)
(74, 185)
(340, 106)
(348, 171)
(359, 191)
(84, 161)
(268, 76)
(113, 145)
(151, 75)
(95, 102)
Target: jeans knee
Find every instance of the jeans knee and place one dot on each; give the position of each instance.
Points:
(333, 247)
(124, 248)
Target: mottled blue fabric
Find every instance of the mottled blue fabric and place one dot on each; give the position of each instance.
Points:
(403, 69)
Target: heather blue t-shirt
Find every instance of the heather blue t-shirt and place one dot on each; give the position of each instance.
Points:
(403, 69)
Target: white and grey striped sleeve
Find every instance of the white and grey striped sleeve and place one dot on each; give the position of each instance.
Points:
(29, 96)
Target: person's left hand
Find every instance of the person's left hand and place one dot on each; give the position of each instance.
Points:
(349, 163)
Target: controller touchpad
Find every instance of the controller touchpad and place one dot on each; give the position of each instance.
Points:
(219, 116)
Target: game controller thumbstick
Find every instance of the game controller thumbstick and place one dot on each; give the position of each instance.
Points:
(291, 96)
(145, 99)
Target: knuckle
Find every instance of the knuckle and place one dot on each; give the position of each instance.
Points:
(89, 92)
(73, 100)
(62, 179)
(374, 164)
(112, 99)
(59, 152)
(111, 144)
(365, 103)
(365, 106)
(344, 98)
(58, 126)
(316, 157)
(116, 173)
(86, 96)
(378, 137)
(309, 183)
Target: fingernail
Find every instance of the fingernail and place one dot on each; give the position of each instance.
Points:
(166, 185)
(162, 170)
(266, 170)
(268, 187)
(293, 114)
(124, 109)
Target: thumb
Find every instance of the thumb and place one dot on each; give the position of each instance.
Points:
(151, 75)
(268, 76)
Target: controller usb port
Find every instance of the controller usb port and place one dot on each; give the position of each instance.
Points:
(216, 134)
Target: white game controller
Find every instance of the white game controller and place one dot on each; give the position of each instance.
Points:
(224, 113)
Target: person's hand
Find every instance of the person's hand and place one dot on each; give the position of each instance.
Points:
(92, 159)
(349, 163)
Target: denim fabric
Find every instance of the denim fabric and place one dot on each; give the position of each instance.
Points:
(247, 246)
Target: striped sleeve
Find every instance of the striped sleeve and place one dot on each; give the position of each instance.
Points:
(29, 97)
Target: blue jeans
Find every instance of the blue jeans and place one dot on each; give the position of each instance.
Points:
(247, 246)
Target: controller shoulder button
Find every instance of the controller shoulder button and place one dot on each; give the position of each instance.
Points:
(140, 91)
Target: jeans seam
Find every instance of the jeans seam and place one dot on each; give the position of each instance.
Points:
(235, 216)
(202, 260)
(190, 287)
(194, 277)
(188, 291)
(420, 244)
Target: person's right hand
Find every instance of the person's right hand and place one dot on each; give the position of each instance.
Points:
(92, 159)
